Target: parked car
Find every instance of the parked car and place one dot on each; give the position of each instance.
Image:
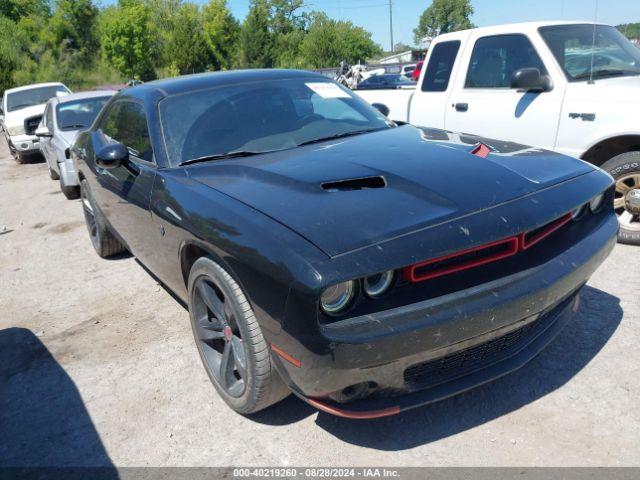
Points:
(386, 81)
(407, 70)
(22, 108)
(324, 250)
(533, 83)
(63, 118)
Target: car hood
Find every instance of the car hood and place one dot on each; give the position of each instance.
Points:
(609, 90)
(68, 136)
(17, 117)
(424, 182)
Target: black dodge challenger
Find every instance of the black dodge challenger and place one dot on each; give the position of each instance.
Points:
(367, 266)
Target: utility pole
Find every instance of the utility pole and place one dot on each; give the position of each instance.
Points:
(391, 23)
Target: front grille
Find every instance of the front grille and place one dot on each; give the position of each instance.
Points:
(434, 372)
(31, 124)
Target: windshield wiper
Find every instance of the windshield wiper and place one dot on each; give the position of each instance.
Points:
(605, 73)
(341, 135)
(67, 127)
(222, 156)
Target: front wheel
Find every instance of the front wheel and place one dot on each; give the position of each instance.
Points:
(233, 350)
(625, 170)
(104, 242)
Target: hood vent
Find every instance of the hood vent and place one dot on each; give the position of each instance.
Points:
(354, 184)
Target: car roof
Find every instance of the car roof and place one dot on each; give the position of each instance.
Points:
(521, 27)
(82, 95)
(35, 85)
(187, 83)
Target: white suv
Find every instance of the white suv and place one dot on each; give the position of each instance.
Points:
(22, 110)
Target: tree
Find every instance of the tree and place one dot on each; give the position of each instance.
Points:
(73, 24)
(444, 16)
(187, 45)
(127, 40)
(221, 31)
(328, 42)
(256, 41)
(16, 9)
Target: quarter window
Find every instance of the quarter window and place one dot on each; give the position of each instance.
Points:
(440, 66)
(494, 59)
(126, 123)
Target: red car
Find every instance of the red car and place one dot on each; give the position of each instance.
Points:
(416, 73)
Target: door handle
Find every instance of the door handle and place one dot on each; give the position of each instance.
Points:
(461, 107)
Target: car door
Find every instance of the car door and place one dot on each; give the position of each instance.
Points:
(126, 189)
(45, 142)
(483, 103)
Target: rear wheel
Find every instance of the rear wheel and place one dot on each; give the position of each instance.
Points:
(103, 241)
(230, 342)
(625, 170)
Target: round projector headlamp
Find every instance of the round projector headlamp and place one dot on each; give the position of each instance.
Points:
(596, 203)
(577, 212)
(337, 298)
(377, 285)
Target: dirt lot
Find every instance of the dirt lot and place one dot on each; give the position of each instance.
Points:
(98, 367)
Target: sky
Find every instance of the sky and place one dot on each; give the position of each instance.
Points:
(373, 15)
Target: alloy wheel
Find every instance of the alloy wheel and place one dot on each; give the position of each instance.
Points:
(626, 201)
(218, 337)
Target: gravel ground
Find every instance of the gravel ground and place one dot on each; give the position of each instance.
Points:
(98, 367)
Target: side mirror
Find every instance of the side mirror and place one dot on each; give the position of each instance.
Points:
(382, 108)
(530, 80)
(43, 132)
(112, 155)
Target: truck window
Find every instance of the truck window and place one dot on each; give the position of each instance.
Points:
(495, 58)
(436, 78)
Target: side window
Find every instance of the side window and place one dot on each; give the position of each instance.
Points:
(126, 123)
(494, 59)
(440, 66)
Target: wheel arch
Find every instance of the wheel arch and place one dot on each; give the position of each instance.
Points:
(610, 147)
(190, 252)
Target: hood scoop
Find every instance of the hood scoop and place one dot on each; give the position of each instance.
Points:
(363, 183)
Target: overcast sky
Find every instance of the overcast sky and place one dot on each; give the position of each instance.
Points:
(374, 14)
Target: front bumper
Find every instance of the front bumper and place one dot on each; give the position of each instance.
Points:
(68, 174)
(424, 352)
(25, 143)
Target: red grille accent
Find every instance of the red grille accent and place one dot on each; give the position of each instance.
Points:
(481, 255)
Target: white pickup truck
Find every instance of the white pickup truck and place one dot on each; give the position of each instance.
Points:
(569, 87)
(20, 115)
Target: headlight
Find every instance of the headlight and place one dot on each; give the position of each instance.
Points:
(338, 297)
(596, 203)
(19, 130)
(577, 212)
(379, 284)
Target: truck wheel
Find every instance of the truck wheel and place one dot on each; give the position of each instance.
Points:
(233, 350)
(103, 241)
(625, 170)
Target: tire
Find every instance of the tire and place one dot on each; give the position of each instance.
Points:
(103, 241)
(224, 324)
(71, 192)
(625, 170)
(52, 173)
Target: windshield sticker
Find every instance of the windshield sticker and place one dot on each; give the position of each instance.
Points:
(328, 90)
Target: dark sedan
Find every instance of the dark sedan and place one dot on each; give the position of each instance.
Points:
(386, 81)
(367, 266)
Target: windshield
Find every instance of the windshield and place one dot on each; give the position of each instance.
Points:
(261, 117)
(33, 96)
(585, 53)
(80, 113)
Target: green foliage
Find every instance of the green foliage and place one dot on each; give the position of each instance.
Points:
(256, 42)
(16, 9)
(444, 16)
(329, 41)
(630, 30)
(187, 44)
(73, 24)
(221, 32)
(127, 40)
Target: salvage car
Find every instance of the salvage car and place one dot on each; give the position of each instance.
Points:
(572, 87)
(22, 108)
(385, 81)
(367, 266)
(63, 118)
